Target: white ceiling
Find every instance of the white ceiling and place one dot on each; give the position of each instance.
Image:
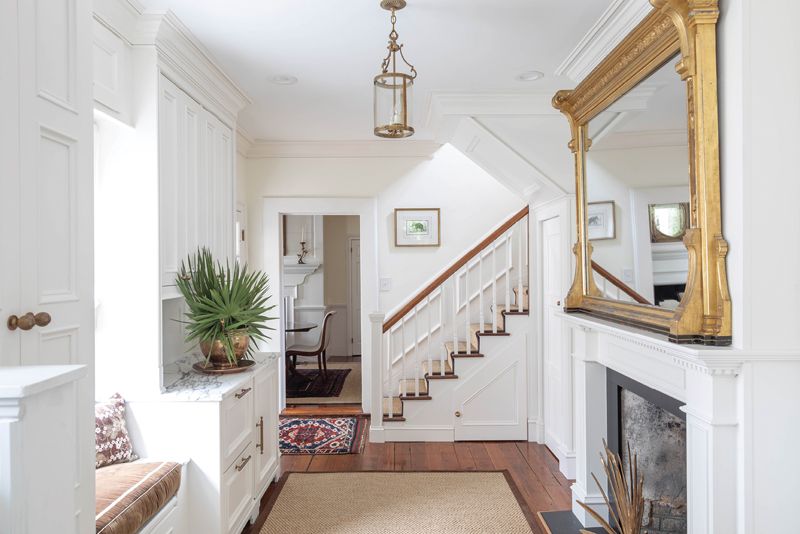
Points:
(335, 49)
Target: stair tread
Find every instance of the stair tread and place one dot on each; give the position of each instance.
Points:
(410, 387)
(397, 407)
(462, 347)
(487, 330)
(436, 367)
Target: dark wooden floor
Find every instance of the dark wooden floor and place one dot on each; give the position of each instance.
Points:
(532, 466)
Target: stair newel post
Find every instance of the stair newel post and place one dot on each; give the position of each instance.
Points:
(466, 310)
(509, 256)
(403, 358)
(480, 290)
(454, 287)
(441, 328)
(521, 248)
(378, 376)
(494, 287)
(428, 337)
(416, 351)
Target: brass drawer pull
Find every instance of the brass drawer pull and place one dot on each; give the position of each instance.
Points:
(260, 426)
(244, 463)
(243, 392)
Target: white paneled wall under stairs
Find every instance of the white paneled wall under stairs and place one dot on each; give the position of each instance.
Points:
(453, 358)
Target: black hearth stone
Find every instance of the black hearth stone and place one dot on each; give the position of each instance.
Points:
(564, 523)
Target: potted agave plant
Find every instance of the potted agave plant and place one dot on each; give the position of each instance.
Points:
(227, 307)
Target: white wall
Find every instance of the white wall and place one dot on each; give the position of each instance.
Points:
(471, 203)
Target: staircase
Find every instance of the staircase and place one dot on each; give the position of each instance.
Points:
(449, 334)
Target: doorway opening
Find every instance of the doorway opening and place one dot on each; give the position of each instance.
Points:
(321, 310)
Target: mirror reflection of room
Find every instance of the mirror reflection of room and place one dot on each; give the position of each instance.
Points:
(322, 311)
(637, 182)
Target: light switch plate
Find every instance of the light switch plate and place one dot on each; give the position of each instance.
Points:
(627, 275)
(386, 284)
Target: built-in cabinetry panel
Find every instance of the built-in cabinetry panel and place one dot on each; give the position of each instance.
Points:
(196, 182)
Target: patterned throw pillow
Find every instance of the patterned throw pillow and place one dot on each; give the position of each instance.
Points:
(112, 444)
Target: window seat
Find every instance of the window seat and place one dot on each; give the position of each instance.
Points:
(128, 495)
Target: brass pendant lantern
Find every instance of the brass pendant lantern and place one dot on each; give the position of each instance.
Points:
(393, 88)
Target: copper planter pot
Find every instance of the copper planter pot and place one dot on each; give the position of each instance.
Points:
(218, 357)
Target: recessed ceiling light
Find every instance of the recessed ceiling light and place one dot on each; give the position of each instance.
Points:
(284, 79)
(530, 76)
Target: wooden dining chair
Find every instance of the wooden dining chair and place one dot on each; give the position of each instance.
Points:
(309, 351)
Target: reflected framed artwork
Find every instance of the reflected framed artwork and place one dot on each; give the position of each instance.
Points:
(417, 227)
(600, 223)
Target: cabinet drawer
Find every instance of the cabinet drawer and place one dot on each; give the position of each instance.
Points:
(237, 422)
(237, 490)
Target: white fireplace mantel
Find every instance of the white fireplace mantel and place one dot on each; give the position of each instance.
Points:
(705, 379)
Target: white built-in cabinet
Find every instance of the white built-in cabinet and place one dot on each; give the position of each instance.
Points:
(196, 157)
(230, 432)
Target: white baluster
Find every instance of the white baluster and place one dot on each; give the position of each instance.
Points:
(417, 369)
(509, 256)
(519, 266)
(480, 290)
(454, 286)
(403, 384)
(442, 354)
(494, 287)
(428, 336)
(466, 309)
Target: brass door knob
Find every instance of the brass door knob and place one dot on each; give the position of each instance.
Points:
(28, 321)
(458, 414)
(42, 319)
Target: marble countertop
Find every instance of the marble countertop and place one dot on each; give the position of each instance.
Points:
(182, 383)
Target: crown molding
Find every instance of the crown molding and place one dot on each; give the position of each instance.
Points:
(343, 149)
(121, 17)
(488, 104)
(244, 141)
(186, 60)
(614, 24)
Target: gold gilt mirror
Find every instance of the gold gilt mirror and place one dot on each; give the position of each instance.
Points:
(645, 138)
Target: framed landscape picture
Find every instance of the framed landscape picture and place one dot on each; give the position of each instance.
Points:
(417, 227)
(600, 223)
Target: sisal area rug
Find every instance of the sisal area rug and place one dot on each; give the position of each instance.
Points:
(312, 383)
(322, 435)
(397, 502)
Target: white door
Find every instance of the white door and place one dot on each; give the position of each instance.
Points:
(492, 404)
(556, 384)
(46, 204)
(354, 283)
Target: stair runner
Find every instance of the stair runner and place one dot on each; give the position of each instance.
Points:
(396, 403)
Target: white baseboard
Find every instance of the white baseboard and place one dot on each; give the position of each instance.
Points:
(535, 431)
(418, 433)
(567, 463)
(594, 500)
(376, 435)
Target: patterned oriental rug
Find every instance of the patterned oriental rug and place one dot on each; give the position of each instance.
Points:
(322, 435)
(311, 383)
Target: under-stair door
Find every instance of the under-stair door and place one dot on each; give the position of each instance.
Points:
(491, 404)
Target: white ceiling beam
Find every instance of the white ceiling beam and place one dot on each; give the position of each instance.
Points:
(377, 148)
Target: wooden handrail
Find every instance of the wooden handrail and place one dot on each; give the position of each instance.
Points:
(622, 286)
(458, 264)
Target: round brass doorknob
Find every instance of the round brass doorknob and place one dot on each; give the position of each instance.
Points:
(28, 321)
(42, 319)
(458, 414)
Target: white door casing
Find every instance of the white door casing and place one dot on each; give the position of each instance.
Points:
(46, 204)
(354, 295)
(491, 404)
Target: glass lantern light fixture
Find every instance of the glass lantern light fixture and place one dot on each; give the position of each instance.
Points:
(393, 88)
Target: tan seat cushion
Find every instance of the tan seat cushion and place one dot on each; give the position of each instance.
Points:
(302, 348)
(129, 495)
